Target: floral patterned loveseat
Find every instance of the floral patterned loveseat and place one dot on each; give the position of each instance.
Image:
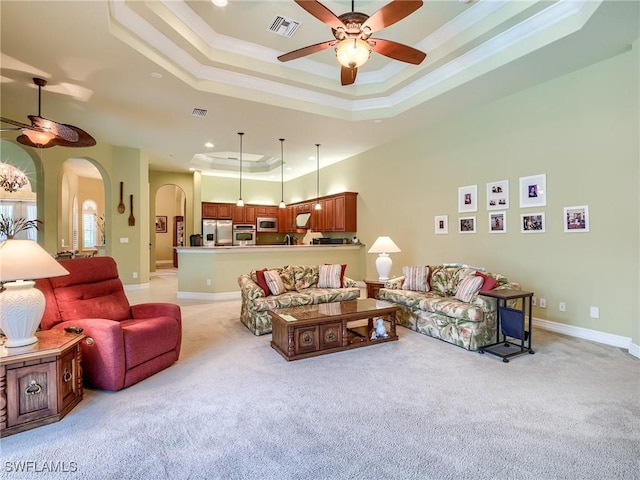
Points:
(301, 284)
(438, 313)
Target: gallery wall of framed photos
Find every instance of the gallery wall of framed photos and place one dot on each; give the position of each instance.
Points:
(532, 194)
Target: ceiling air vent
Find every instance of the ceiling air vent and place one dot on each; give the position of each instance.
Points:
(283, 26)
(199, 112)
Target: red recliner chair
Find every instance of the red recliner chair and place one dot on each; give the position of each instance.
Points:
(125, 343)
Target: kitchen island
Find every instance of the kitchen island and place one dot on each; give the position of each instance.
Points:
(211, 273)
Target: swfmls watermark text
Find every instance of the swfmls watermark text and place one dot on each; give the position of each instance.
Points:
(32, 466)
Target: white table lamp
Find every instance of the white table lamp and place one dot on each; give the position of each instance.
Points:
(22, 305)
(384, 246)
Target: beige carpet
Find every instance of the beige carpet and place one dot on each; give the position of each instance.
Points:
(419, 408)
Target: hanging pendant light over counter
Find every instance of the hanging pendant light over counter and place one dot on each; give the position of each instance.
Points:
(240, 203)
(318, 206)
(282, 204)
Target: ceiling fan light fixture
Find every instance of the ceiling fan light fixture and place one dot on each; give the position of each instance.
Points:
(38, 138)
(352, 52)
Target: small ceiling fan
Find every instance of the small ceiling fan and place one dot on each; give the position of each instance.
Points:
(352, 32)
(45, 133)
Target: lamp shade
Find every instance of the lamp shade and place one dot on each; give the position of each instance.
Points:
(22, 305)
(384, 245)
(26, 260)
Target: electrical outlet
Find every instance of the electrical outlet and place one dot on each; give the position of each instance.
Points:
(124, 240)
(562, 307)
(543, 303)
(135, 274)
(594, 312)
(208, 281)
(534, 300)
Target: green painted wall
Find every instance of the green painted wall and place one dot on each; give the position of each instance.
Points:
(582, 131)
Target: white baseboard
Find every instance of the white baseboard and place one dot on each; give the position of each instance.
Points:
(140, 286)
(210, 296)
(588, 334)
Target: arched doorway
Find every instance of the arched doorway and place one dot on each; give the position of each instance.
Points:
(170, 210)
(82, 218)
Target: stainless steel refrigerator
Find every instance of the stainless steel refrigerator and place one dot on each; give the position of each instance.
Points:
(216, 232)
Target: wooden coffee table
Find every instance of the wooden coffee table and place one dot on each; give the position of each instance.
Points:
(310, 330)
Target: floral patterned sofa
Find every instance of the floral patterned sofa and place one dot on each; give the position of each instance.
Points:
(437, 312)
(301, 288)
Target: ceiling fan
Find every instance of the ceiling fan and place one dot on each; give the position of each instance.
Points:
(45, 133)
(352, 32)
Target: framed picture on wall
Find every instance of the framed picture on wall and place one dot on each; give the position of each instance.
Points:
(442, 224)
(497, 222)
(468, 199)
(532, 223)
(498, 195)
(576, 219)
(533, 191)
(161, 224)
(467, 225)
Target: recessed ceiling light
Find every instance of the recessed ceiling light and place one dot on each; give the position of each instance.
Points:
(192, 169)
(219, 3)
(289, 169)
(311, 158)
(377, 121)
(209, 145)
(156, 75)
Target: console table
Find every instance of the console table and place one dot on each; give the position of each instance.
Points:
(40, 383)
(504, 348)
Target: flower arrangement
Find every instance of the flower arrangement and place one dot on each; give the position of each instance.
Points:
(9, 226)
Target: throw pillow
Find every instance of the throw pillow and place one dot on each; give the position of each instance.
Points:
(274, 282)
(416, 279)
(468, 287)
(489, 283)
(287, 277)
(260, 280)
(330, 276)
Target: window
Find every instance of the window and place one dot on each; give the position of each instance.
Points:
(90, 234)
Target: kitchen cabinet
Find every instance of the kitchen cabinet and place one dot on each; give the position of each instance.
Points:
(285, 220)
(267, 211)
(216, 210)
(246, 214)
(338, 214)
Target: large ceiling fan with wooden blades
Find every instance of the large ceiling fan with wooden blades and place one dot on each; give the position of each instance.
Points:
(45, 133)
(352, 32)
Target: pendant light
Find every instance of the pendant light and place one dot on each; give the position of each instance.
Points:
(240, 203)
(282, 204)
(318, 206)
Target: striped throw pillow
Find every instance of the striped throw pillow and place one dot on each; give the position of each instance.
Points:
(330, 276)
(274, 282)
(468, 287)
(416, 279)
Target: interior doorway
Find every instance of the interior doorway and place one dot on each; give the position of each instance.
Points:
(169, 225)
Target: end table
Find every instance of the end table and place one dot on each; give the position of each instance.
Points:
(40, 383)
(373, 287)
(504, 348)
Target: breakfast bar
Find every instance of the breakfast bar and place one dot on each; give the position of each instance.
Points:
(212, 272)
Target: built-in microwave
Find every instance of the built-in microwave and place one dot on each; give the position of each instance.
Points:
(267, 224)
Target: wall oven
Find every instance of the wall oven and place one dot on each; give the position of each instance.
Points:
(244, 234)
(267, 224)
